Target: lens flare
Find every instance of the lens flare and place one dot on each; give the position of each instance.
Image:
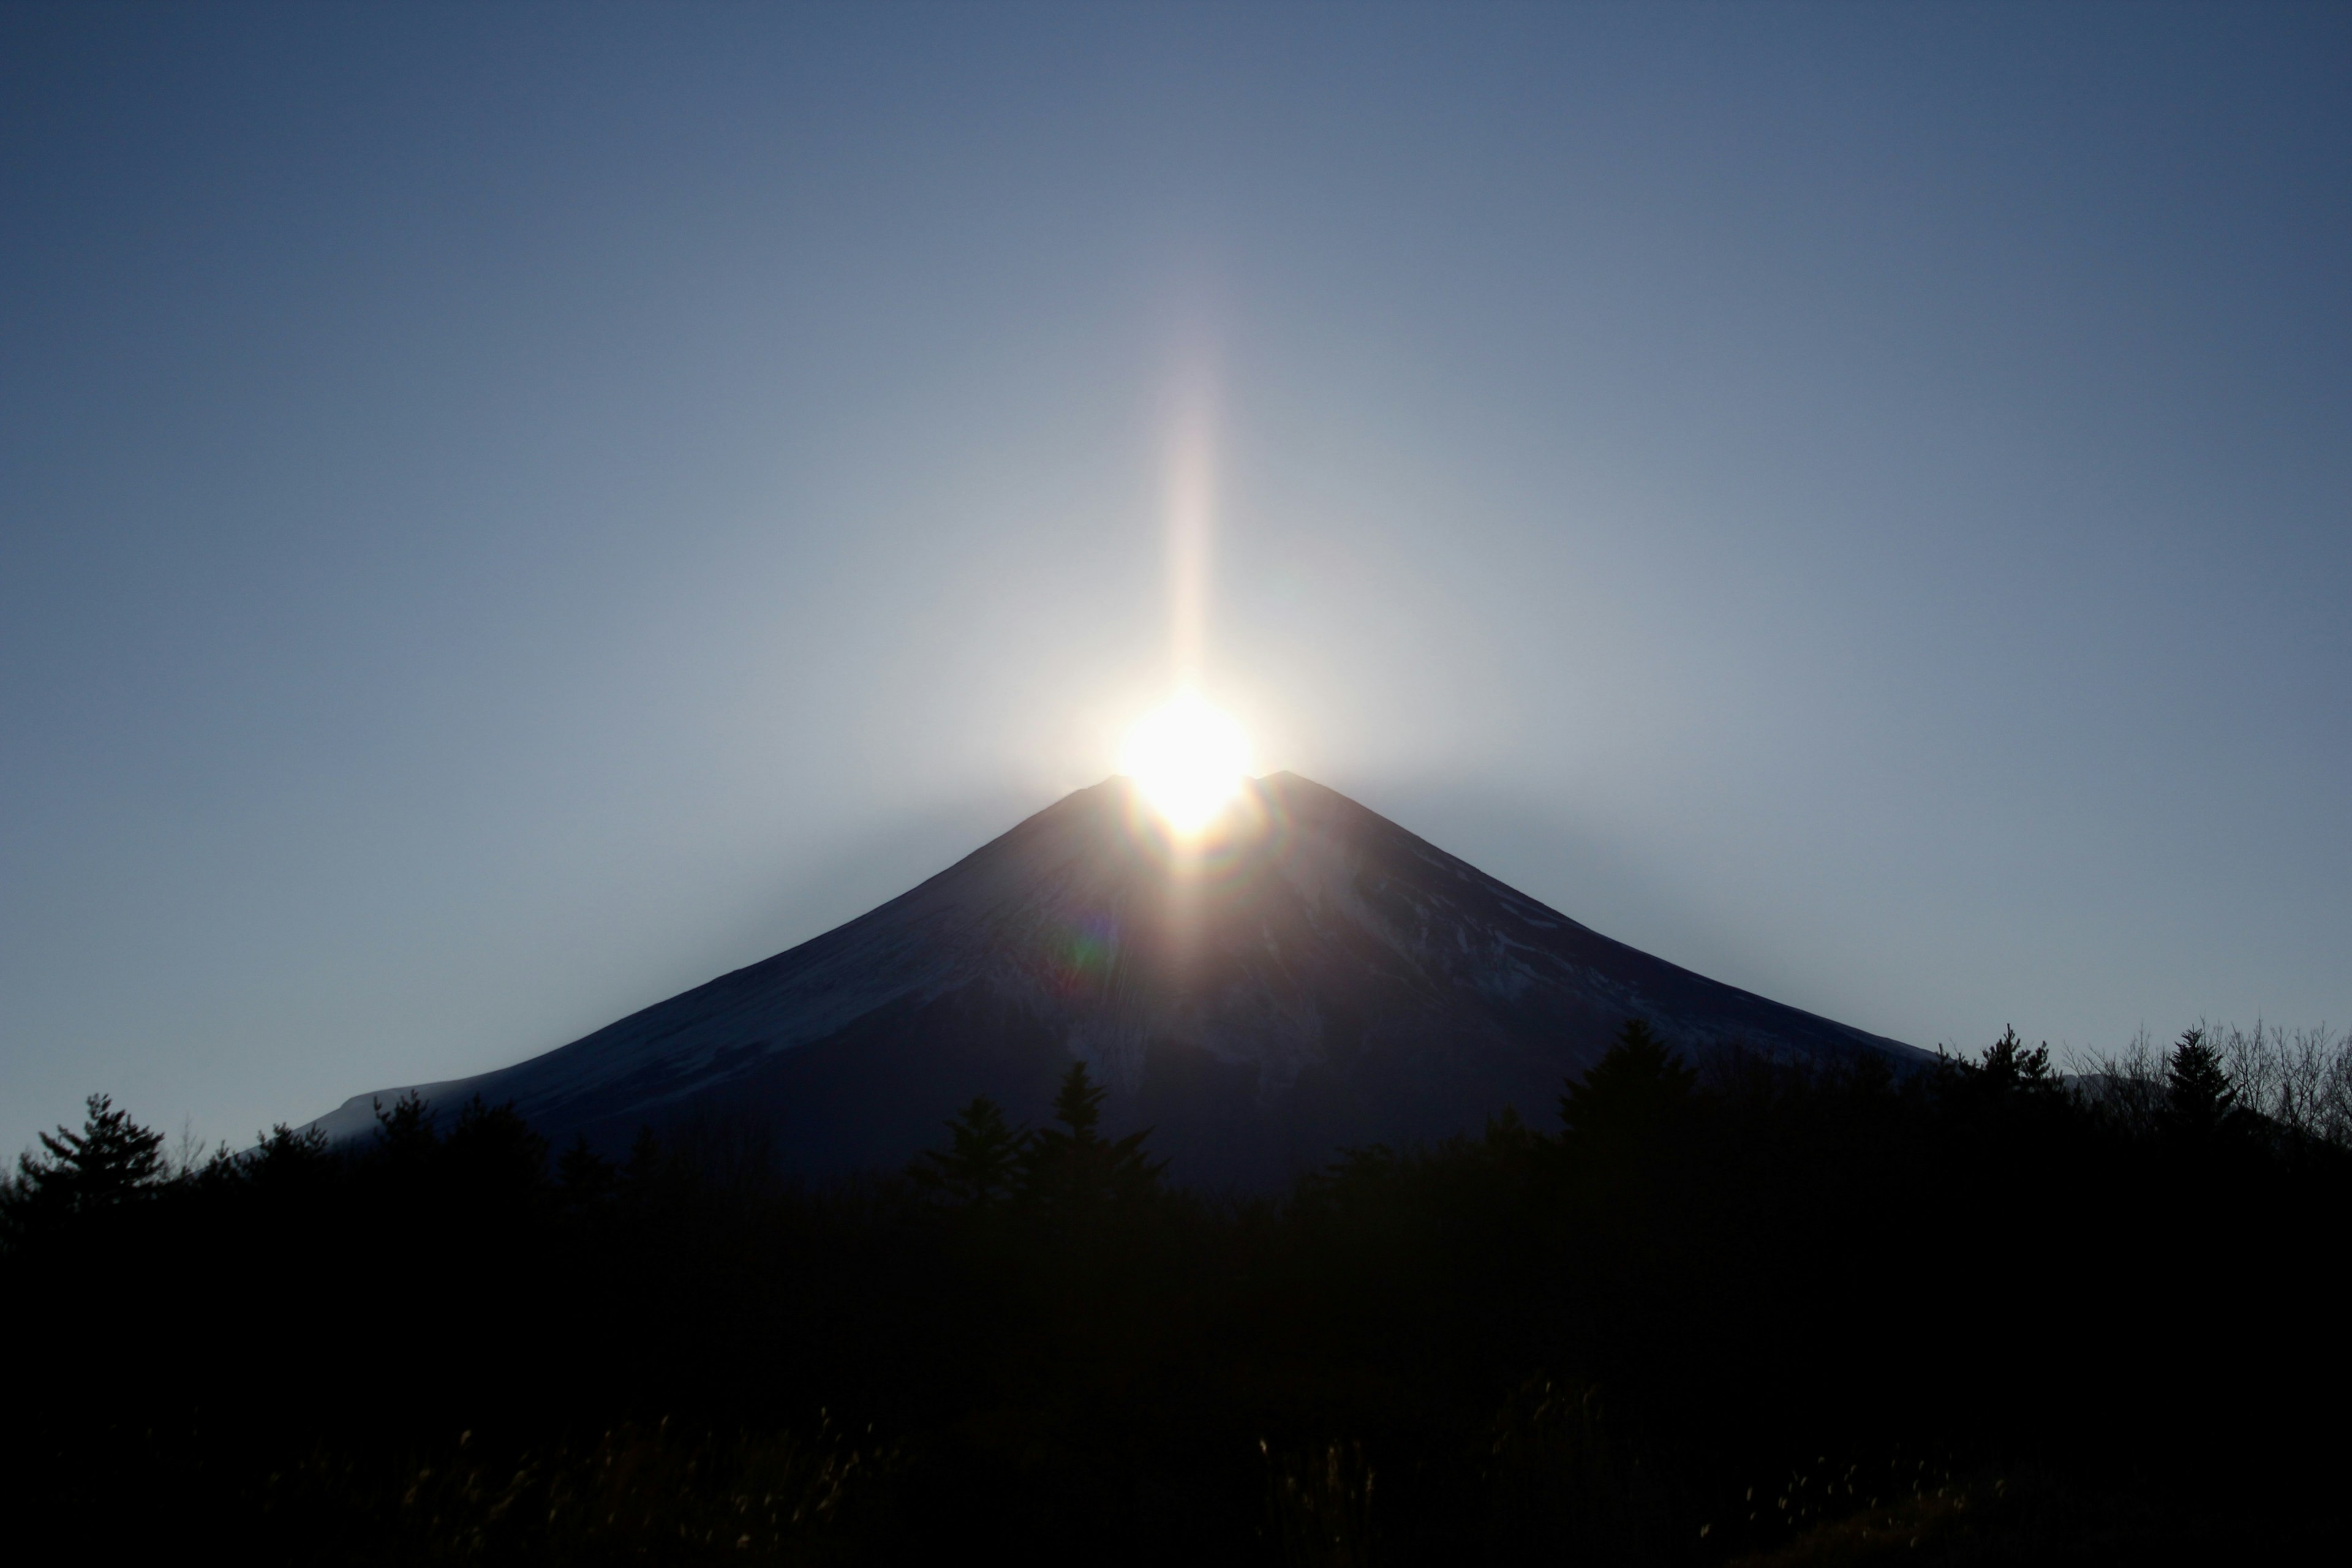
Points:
(1188, 761)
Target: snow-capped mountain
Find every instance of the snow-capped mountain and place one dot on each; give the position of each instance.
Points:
(1313, 977)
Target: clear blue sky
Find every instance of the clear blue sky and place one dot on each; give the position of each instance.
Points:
(507, 513)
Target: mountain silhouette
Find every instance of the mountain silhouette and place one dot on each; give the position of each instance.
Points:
(1313, 977)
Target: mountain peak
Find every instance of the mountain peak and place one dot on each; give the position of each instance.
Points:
(1313, 977)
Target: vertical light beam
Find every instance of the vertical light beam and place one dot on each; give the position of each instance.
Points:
(1192, 520)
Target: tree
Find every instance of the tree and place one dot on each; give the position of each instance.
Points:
(405, 1135)
(585, 1176)
(644, 1157)
(1074, 1165)
(492, 1150)
(112, 1160)
(287, 1161)
(2200, 1102)
(2008, 1067)
(1629, 1096)
(981, 1160)
(2012, 1087)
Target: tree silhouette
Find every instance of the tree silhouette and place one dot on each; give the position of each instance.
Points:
(2200, 1103)
(2010, 1067)
(287, 1161)
(492, 1151)
(1630, 1095)
(2011, 1089)
(110, 1161)
(649, 1166)
(585, 1176)
(405, 1135)
(1072, 1165)
(981, 1160)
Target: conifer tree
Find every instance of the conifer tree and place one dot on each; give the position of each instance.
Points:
(1629, 1095)
(285, 1159)
(2008, 1066)
(2010, 1089)
(1075, 1165)
(585, 1176)
(492, 1149)
(646, 1165)
(405, 1133)
(2200, 1102)
(110, 1161)
(981, 1160)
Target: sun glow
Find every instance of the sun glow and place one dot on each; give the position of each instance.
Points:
(1188, 759)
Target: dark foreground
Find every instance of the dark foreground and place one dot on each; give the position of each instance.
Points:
(1972, 1316)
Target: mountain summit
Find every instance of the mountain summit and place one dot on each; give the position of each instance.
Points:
(1316, 977)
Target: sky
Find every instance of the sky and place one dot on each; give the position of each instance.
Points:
(507, 513)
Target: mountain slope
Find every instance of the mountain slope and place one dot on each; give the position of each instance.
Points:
(1318, 978)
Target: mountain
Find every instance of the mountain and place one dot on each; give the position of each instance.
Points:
(1313, 977)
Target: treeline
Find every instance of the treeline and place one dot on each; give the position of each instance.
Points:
(2297, 1084)
(1745, 1307)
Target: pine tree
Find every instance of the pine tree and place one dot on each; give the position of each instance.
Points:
(492, 1150)
(585, 1176)
(1074, 1165)
(981, 1160)
(2010, 1083)
(647, 1168)
(1630, 1095)
(404, 1134)
(286, 1161)
(2200, 1102)
(2008, 1066)
(110, 1161)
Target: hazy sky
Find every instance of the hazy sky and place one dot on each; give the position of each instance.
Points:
(508, 513)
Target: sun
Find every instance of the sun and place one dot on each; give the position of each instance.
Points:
(1188, 759)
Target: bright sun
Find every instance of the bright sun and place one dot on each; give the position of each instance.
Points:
(1188, 759)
